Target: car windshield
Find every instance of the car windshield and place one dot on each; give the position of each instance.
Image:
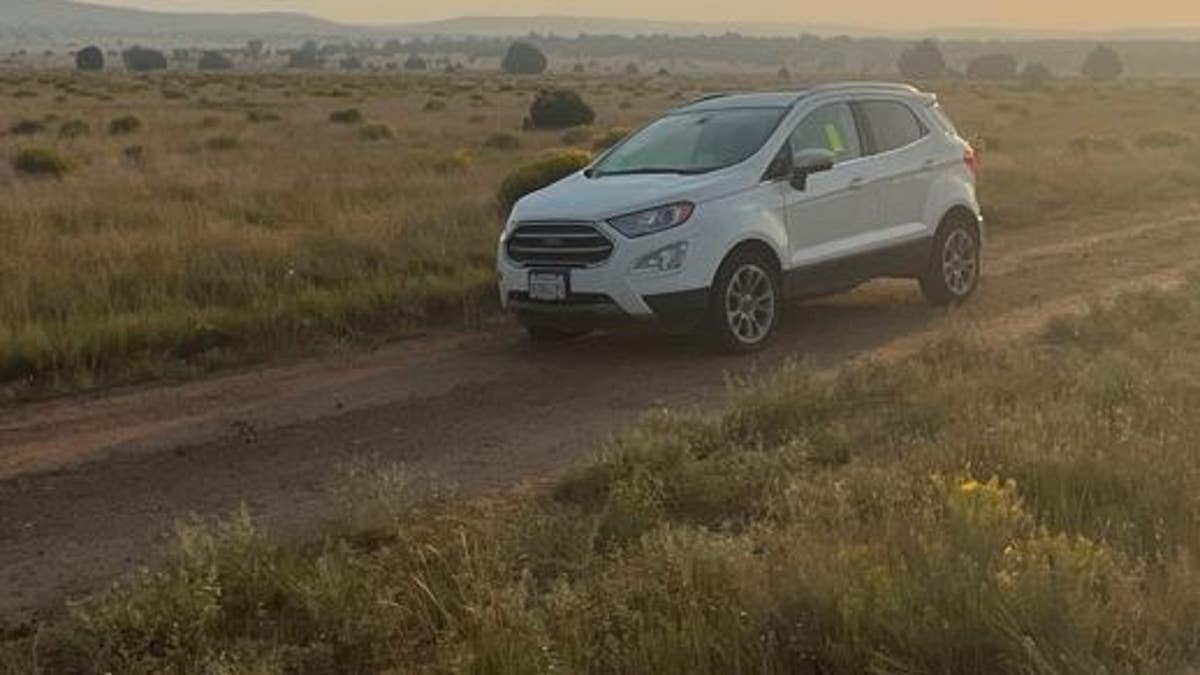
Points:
(693, 142)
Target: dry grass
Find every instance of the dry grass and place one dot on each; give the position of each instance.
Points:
(967, 510)
(238, 223)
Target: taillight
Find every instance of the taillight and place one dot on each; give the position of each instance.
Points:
(971, 158)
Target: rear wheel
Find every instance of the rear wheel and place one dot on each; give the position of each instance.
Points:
(954, 264)
(744, 304)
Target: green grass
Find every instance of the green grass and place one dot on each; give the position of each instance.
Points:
(968, 509)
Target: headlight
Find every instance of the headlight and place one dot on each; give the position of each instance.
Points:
(666, 259)
(654, 220)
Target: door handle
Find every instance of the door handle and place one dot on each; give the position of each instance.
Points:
(857, 183)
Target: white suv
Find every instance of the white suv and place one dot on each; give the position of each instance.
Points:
(715, 212)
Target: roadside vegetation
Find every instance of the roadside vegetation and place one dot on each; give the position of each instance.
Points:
(165, 224)
(1028, 508)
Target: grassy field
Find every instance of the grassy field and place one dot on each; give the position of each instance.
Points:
(177, 223)
(969, 509)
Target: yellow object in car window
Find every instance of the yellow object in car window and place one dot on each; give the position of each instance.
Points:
(833, 138)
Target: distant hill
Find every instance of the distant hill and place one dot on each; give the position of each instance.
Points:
(571, 26)
(63, 19)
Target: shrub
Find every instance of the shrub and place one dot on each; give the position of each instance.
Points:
(260, 116)
(376, 132)
(416, 64)
(126, 124)
(560, 109)
(90, 59)
(135, 154)
(435, 105)
(922, 61)
(1103, 64)
(41, 162)
(212, 60)
(523, 58)
(351, 63)
(632, 69)
(993, 67)
(1164, 139)
(222, 143)
(74, 129)
(610, 138)
(502, 141)
(456, 162)
(1035, 75)
(141, 60)
(538, 174)
(1085, 144)
(27, 128)
(348, 116)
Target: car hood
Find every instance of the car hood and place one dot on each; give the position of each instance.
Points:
(578, 197)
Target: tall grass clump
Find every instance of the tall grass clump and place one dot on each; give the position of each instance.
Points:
(967, 509)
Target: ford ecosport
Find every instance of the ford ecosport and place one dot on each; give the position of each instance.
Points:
(719, 210)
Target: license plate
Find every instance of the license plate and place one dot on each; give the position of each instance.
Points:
(548, 286)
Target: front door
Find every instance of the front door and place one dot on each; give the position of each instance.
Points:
(832, 218)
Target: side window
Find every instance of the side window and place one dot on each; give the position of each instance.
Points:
(831, 128)
(893, 125)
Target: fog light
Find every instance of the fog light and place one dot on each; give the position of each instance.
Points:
(665, 259)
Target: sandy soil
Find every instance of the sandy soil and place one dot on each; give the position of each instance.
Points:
(91, 486)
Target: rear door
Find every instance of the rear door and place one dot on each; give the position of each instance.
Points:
(826, 219)
(905, 157)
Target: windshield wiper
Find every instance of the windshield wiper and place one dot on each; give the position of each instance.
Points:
(657, 170)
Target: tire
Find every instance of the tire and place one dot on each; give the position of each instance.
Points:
(743, 305)
(954, 264)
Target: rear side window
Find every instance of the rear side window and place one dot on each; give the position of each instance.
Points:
(830, 128)
(893, 125)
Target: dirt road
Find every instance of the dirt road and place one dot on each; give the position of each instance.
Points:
(91, 486)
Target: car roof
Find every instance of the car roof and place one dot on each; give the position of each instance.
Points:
(789, 98)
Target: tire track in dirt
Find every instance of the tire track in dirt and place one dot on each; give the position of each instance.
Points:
(90, 486)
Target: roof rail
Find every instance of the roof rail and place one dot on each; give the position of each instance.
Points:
(876, 86)
(707, 97)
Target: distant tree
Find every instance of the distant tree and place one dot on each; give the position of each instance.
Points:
(351, 63)
(90, 59)
(631, 69)
(212, 60)
(524, 59)
(1036, 75)
(993, 67)
(254, 49)
(784, 74)
(140, 60)
(416, 63)
(922, 61)
(307, 57)
(1103, 64)
(578, 68)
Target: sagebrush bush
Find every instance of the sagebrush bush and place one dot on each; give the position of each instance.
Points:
(74, 129)
(27, 127)
(376, 132)
(1163, 139)
(560, 109)
(576, 136)
(538, 174)
(261, 116)
(222, 143)
(347, 116)
(455, 162)
(502, 141)
(126, 124)
(41, 162)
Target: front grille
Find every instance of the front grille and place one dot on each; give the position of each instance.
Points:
(558, 245)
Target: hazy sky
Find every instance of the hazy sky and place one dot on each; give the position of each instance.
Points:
(888, 14)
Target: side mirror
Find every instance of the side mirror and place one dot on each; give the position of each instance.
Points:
(807, 162)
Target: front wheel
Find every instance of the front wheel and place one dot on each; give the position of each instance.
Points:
(954, 264)
(744, 304)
